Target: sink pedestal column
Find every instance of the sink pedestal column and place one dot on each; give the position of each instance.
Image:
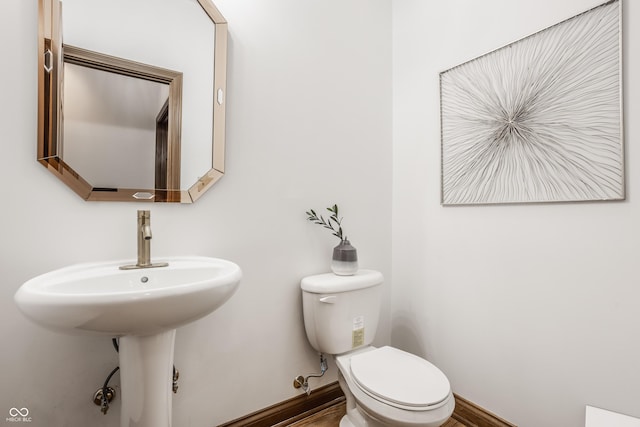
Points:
(146, 378)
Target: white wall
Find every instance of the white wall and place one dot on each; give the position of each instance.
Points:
(531, 310)
(309, 124)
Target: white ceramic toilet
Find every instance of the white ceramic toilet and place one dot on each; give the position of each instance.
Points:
(383, 386)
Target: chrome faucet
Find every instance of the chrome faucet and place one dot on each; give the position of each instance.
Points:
(144, 244)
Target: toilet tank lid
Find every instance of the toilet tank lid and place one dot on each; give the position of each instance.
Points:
(332, 283)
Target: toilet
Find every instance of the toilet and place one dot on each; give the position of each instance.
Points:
(383, 386)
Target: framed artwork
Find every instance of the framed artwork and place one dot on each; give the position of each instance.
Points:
(538, 120)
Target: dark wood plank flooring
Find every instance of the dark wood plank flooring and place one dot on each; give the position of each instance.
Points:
(330, 417)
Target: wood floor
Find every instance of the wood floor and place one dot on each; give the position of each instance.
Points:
(326, 407)
(330, 417)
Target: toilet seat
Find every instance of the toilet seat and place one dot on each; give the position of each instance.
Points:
(399, 379)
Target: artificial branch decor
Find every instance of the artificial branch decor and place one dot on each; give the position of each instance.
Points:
(334, 223)
(538, 120)
(345, 256)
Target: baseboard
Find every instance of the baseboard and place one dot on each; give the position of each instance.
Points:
(292, 410)
(471, 415)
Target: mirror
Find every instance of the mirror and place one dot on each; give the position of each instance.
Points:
(128, 111)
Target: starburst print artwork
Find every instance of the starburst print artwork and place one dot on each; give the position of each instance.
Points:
(539, 120)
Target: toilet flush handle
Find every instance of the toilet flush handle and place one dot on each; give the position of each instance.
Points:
(331, 299)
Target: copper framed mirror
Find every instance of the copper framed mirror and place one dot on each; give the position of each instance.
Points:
(131, 97)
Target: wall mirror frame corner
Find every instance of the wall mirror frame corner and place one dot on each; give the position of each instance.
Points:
(54, 56)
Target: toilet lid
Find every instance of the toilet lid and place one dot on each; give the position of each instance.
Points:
(399, 377)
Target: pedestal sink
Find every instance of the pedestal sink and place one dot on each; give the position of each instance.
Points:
(143, 307)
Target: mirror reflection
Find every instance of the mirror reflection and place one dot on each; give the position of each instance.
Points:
(110, 125)
(128, 108)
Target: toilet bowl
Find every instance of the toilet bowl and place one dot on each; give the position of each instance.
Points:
(383, 386)
(390, 387)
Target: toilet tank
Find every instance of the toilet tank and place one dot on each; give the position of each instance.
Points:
(341, 312)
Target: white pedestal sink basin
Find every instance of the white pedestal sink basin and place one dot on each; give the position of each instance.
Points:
(143, 307)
